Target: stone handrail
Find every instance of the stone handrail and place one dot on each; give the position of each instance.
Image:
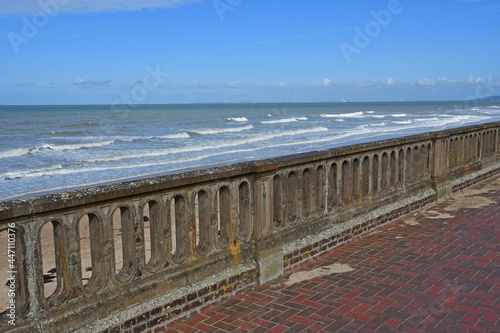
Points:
(140, 253)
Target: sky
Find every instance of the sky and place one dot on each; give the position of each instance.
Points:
(198, 51)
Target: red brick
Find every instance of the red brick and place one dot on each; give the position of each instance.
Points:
(300, 298)
(435, 290)
(407, 273)
(469, 309)
(215, 319)
(313, 304)
(362, 308)
(344, 309)
(393, 268)
(205, 327)
(195, 320)
(184, 328)
(473, 328)
(278, 329)
(359, 316)
(302, 320)
(393, 322)
(348, 301)
(471, 318)
(352, 294)
(317, 327)
(491, 317)
(243, 324)
(404, 285)
(263, 323)
(384, 299)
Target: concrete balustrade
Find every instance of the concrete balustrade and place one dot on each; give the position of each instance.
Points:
(141, 253)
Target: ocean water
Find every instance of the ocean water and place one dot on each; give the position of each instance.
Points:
(45, 149)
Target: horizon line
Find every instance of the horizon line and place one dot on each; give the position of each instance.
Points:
(262, 102)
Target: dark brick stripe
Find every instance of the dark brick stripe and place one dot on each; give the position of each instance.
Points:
(476, 180)
(298, 256)
(156, 319)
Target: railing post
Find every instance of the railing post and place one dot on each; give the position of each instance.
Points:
(73, 250)
(495, 133)
(440, 181)
(32, 258)
(268, 252)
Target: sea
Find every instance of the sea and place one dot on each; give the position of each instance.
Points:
(47, 149)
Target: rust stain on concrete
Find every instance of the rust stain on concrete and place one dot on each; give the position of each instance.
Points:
(234, 246)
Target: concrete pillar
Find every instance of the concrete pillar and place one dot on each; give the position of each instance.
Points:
(497, 142)
(268, 252)
(440, 181)
(263, 206)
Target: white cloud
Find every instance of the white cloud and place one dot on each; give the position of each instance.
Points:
(211, 85)
(25, 84)
(474, 80)
(91, 83)
(445, 81)
(23, 7)
(175, 85)
(426, 82)
(323, 85)
(235, 84)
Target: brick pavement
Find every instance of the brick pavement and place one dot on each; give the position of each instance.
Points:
(435, 270)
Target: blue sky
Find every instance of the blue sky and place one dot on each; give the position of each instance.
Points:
(191, 51)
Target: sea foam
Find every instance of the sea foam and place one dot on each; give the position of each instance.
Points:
(203, 147)
(16, 152)
(183, 135)
(238, 119)
(210, 131)
(285, 120)
(343, 115)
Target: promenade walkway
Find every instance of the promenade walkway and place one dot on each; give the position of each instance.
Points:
(436, 270)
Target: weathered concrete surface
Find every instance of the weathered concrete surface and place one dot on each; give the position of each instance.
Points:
(270, 267)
